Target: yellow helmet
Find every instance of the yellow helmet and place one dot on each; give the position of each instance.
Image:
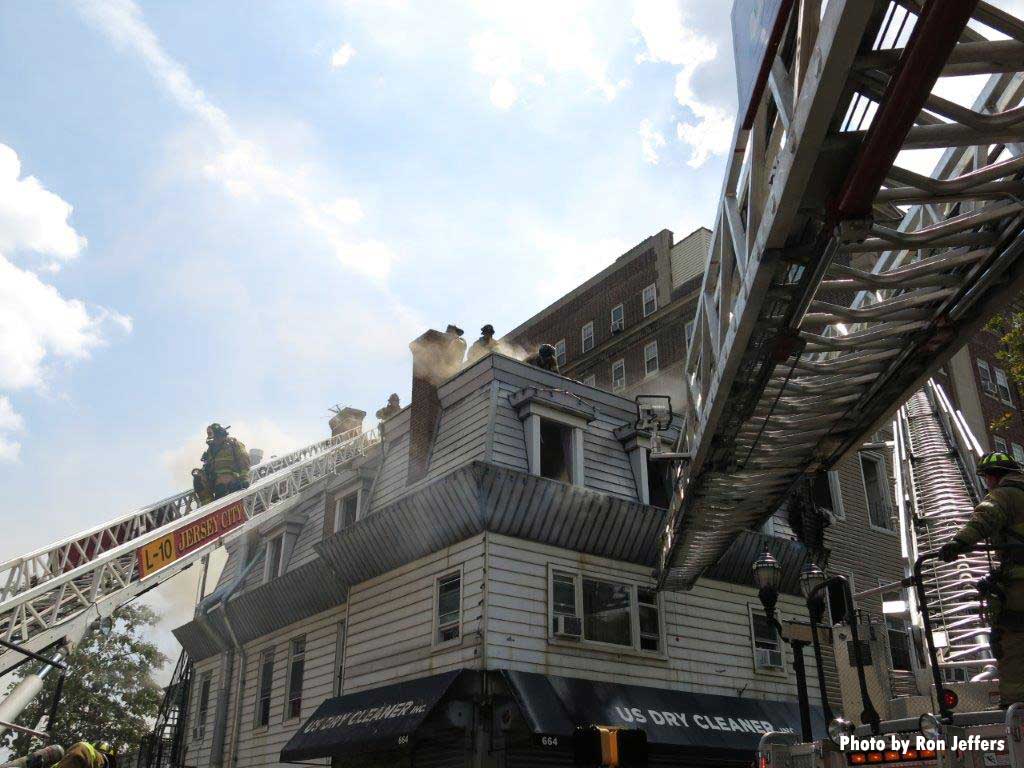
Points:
(108, 751)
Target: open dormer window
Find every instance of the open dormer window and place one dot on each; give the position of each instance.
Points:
(345, 510)
(275, 558)
(554, 425)
(556, 451)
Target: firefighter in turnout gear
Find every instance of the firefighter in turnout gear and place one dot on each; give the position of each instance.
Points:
(225, 462)
(545, 358)
(86, 755)
(484, 345)
(1000, 518)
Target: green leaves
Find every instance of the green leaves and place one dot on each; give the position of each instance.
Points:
(109, 693)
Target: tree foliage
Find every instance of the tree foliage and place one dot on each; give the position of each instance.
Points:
(1009, 326)
(109, 692)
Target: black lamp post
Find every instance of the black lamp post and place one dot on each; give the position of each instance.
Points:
(767, 577)
(813, 583)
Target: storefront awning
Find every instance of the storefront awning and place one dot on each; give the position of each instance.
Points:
(557, 705)
(372, 720)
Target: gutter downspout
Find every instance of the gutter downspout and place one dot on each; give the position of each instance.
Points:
(220, 723)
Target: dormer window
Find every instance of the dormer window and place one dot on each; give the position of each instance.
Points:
(554, 425)
(275, 558)
(346, 509)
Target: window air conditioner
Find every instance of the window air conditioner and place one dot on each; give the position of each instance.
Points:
(768, 659)
(568, 626)
(988, 386)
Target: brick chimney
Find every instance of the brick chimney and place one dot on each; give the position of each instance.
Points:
(346, 419)
(430, 353)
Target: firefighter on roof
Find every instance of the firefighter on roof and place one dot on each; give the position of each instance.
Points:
(225, 463)
(484, 345)
(1000, 518)
(545, 358)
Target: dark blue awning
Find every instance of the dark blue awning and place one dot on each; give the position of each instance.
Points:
(555, 706)
(371, 720)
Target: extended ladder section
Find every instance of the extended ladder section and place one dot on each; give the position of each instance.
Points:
(936, 492)
(837, 280)
(55, 593)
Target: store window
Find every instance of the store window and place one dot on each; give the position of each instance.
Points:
(265, 689)
(604, 611)
(618, 375)
(296, 675)
(587, 337)
(650, 297)
(876, 491)
(766, 643)
(651, 358)
(448, 616)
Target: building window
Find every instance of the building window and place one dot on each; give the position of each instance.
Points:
(987, 385)
(876, 493)
(560, 353)
(650, 296)
(296, 673)
(587, 336)
(618, 319)
(557, 450)
(659, 482)
(590, 381)
(345, 510)
(999, 443)
(266, 685)
(896, 628)
(1018, 453)
(339, 659)
(767, 645)
(826, 493)
(618, 375)
(612, 613)
(449, 607)
(202, 708)
(1003, 386)
(650, 626)
(275, 555)
(651, 358)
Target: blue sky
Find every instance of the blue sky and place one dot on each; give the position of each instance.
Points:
(245, 217)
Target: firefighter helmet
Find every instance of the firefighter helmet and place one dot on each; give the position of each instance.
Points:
(108, 751)
(997, 462)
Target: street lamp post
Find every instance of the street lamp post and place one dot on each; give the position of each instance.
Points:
(813, 582)
(767, 577)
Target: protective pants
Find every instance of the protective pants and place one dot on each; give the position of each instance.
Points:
(1010, 657)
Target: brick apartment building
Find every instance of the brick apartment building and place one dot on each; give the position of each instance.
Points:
(624, 329)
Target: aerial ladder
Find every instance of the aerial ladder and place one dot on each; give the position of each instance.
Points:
(50, 598)
(837, 281)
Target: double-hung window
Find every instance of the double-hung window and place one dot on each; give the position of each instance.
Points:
(275, 558)
(591, 380)
(618, 318)
(448, 607)
(876, 491)
(618, 375)
(999, 443)
(296, 673)
(985, 374)
(610, 612)
(346, 508)
(894, 607)
(767, 645)
(560, 353)
(650, 297)
(265, 689)
(1018, 453)
(202, 708)
(1003, 386)
(651, 358)
(587, 337)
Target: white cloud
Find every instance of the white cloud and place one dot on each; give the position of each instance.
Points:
(9, 422)
(342, 56)
(244, 168)
(668, 39)
(33, 218)
(650, 141)
(37, 322)
(523, 44)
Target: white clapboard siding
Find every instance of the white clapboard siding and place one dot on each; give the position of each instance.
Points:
(461, 435)
(508, 441)
(707, 629)
(391, 620)
(390, 481)
(198, 750)
(262, 746)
